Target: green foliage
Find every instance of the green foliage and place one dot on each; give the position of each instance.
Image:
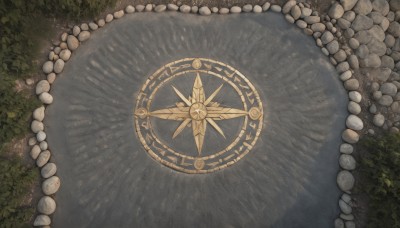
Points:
(15, 110)
(380, 168)
(16, 181)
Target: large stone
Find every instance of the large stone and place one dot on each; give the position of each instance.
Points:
(276, 8)
(65, 54)
(42, 86)
(46, 98)
(362, 23)
(51, 185)
(288, 6)
(248, 8)
(35, 151)
(355, 96)
(363, 7)
(376, 17)
(381, 6)
(118, 14)
(59, 65)
(351, 84)
(336, 11)
(394, 29)
(344, 207)
(354, 108)
(380, 74)
(389, 89)
(129, 9)
(348, 4)
(48, 67)
(72, 42)
(340, 56)
(172, 7)
(42, 220)
(343, 23)
(305, 12)
(385, 100)
(160, 8)
(84, 35)
(333, 47)
(395, 5)
(312, 19)
(353, 61)
(378, 120)
(37, 126)
(353, 43)
(295, 12)
(377, 32)
(345, 180)
(48, 170)
(377, 47)
(46, 205)
(349, 16)
(363, 37)
(338, 223)
(347, 162)
(342, 67)
(354, 122)
(318, 27)
(346, 148)
(350, 136)
(387, 62)
(43, 158)
(371, 60)
(205, 11)
(327, 37)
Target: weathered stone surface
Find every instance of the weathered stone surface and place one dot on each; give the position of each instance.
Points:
(257, 9)
(378, 120)
(377, 47)
(346, 148)
(340, 56)
(266, 6)
(345, 75)
(318, 27)
(43, 158)
(84, 35)
(353, 61)
(186, 9)
(84, 26)
(363, 37)
(354, 44)
(349, 16)
(38, 114)
(377, 32)
(363, 7)
(205, 11)
(276, 8)
(35, 151)
(42, 220)
(345, 180)
(354, 108)
(333, 47)
(362, 51)
(388, 89)
(42, 86)
(46, 98)
(381, 6)
(344, 207)
(172, 7)
(348, 4)
(288, 6)
(65, 54)
(354, 122)
(312, 19)
(48, 67)
(394, 29)
(48, 170)
(350, 136)
(351, 84)
(346, 217)
(336, 11)
(385, 100)
(355, 96)
(362, 23)
(59, 64)
(109, 18)
(295, 12)
(372, 60)
(339, 223)
(129, 9)
(380, 74)
(140, 8)
(342, 67)
(394, 5)
(37, 126)
(350, 224)
(51, 185)
(43, 145)
(46, 205)
(119, 14)
(76, 30)
(301, 24)
(159, 8)
(305, 12)
(101, 22)
(72, 42)
(343, 23)
(387, 62)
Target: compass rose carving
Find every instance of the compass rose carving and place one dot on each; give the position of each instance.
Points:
(198, 111)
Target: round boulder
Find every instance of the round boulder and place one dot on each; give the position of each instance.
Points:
(51, 185)
(48, 170)
(72, 42)
(345, 180)
(48, 67)
(378, 120)
(347, 162)
(46, 205)
(350, 136)
(354, 122)
(336, 11)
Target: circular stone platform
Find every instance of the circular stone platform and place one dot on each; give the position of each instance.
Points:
(109, 180)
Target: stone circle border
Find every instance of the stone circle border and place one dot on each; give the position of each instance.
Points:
(325, 30)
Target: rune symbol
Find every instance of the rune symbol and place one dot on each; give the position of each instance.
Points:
(197, 110)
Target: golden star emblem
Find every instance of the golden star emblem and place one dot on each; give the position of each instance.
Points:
(197, 110)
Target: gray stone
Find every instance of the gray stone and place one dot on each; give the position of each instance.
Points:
(109, 18)
(318, 27)
(325, 51)
(373, 109)
(51, 185)
(172, 7)
(378, 120)
(149, 8)
(362, 51)
(380, 74)
(394, 130)
(48, 67)
(248, 8)
(32, 141)
(344, 207)
(333, 47)
(346, 198)
(118, 14)
(276, 8)
(354, 122)
(347, 162)
(345, 75)
(381, 6)
(186, 9)
(72, 42)
(289, 18)
(43, 158)
(345, 180)
(59, 64)
(37, 126)
(354, 108)
(343, 23)
(129, 9)
(84, 35)
(377, 47)
(51, 78)
(205, 11)
(387, 62)
(42, 220)
(350, 224)
(385, 100)
(388, 89)
(257, 9)
(372, 60)
(346, 148)
(347, 217)
(362, 23)
(394, 29)
(48, 170)
(312, 19)
(35, 151)
(42, 86)
(348, 4)
(340, 56)
(65, 54)
(301, 24)
(363, 37)
(376, 17)
(353, 61)
(353, 43)
(84, 26)
(140, 8)
(363, 7)
(224, 11)
(377, 32)
(308, 31)
(355, 96)
(349, 16)
(266, 6)
(385, 24)
(295, 12)
(395, 5)
(101, 22)
(305, 12)
(336, 11)
(351, 84)
(46, 205)
(342, 67)
(76, 30)
(390, 40)
(43, 145)
(159, 8)
(377, 95)
(288, 6)
(46, 98)
(339, 223)
(350, 136)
